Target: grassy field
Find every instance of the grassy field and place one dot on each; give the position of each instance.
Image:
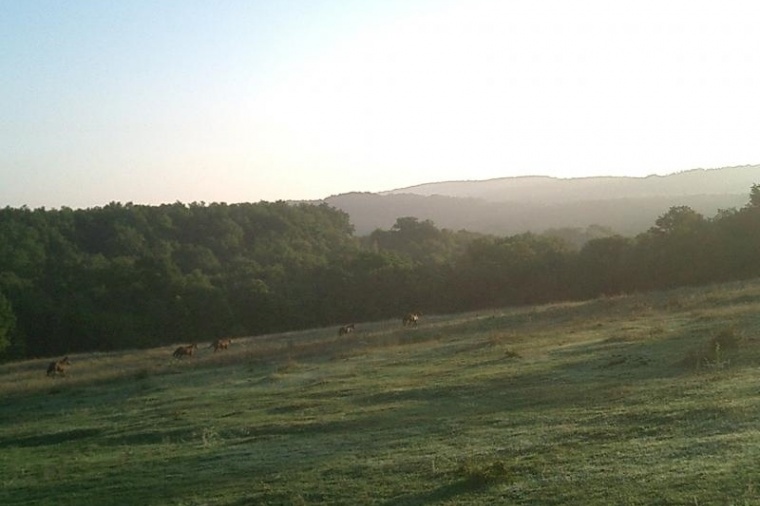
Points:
(636, 400)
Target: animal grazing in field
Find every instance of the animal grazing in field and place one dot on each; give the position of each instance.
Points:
(185, 351)
(58, 367)
(346, 329)
(221, 344)
(411, 319)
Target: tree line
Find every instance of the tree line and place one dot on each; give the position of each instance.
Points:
(131, 276)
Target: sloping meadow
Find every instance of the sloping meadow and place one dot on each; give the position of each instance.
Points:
(640, 399)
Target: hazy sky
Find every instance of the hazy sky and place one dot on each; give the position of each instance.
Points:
(230, 101)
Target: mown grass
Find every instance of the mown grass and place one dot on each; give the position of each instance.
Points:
(619, 400)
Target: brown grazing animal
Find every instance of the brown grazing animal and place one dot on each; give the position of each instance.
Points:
(185, 351)
(345, 329)
(411, 319)
(58, 367)
(221, 344)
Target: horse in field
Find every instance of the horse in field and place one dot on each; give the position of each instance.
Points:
(411, 319)
(58, 367)
(346, 329)
(221, 344)
(185, 351)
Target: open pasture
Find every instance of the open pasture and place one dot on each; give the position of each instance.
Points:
(639, 400)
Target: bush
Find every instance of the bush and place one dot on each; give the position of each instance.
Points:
(716, 352)
(484, 474)
(727, 339)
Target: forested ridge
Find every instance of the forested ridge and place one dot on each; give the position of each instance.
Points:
(130, 276)
(513, 205)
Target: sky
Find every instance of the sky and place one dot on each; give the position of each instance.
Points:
(162, 101)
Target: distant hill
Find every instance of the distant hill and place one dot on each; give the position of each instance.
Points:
(506, 206)
(551, 190)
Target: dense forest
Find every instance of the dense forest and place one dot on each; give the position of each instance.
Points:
(130, 276)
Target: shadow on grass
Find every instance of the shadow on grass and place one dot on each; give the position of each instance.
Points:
(442, 493)
(149, 437)
(55, 438)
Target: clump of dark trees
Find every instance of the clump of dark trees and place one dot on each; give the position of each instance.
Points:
(130, 276)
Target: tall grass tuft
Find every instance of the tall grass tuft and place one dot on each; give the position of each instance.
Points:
(483, 474)
(717, 352)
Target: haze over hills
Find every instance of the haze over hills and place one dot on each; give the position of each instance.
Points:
(546, 189)
(505, 206)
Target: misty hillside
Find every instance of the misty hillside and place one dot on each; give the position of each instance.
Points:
(505, 206)
(551, 190)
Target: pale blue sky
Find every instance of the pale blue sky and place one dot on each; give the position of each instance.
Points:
(232, 100)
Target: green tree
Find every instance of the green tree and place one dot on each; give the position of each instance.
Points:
(675, 252)
(737, 240)
(678, 221)
(604, 266)
(7, 324)
(520, 269)
(754, 197)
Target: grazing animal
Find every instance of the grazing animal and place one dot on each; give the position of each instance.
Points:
(58, 367)
(221, 344)
(411, 319)
(345, 329)
(185, 351)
